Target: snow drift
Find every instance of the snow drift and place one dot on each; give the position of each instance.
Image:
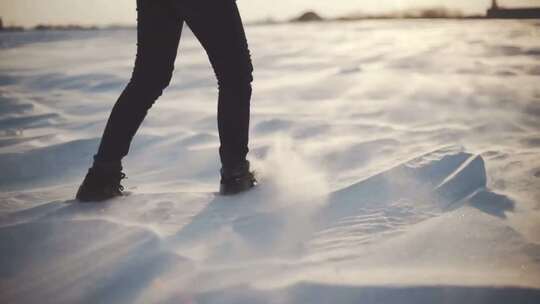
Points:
(398, 163)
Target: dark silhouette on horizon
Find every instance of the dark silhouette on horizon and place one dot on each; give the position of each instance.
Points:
(8, 28)
(496, 11)
(308, 17)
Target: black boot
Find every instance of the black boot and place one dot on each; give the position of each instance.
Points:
(102, 182)
(236, 179)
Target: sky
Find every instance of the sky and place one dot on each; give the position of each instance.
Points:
(104, 12)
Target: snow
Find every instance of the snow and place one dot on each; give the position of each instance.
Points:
(398, 163)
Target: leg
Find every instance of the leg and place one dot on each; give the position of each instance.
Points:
(158, 34)
(218, 26)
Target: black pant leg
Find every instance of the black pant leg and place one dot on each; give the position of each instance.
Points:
(218, 26)
(159, 27)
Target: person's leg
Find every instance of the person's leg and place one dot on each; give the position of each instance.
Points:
(158, 33)
(218, 26)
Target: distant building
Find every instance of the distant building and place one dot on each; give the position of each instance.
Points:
(308, 17)
(495, 11)
(9, 28)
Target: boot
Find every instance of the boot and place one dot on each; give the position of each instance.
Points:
(102, 182)
(236, 179)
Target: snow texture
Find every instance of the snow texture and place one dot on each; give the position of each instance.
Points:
(398, 163)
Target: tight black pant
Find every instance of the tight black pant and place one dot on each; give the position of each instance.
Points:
(218, 27)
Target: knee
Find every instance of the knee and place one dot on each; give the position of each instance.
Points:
(235, 74)
(151, 81)
(235, 80)
(144, 88)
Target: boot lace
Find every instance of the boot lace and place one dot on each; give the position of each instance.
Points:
(108, 181)
(118, 179)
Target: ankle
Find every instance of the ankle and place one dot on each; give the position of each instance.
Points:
(107, 165)
(228, 170)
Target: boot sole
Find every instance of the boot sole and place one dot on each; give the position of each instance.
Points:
(231, 189)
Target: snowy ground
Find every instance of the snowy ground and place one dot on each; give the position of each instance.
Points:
(399, 162)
